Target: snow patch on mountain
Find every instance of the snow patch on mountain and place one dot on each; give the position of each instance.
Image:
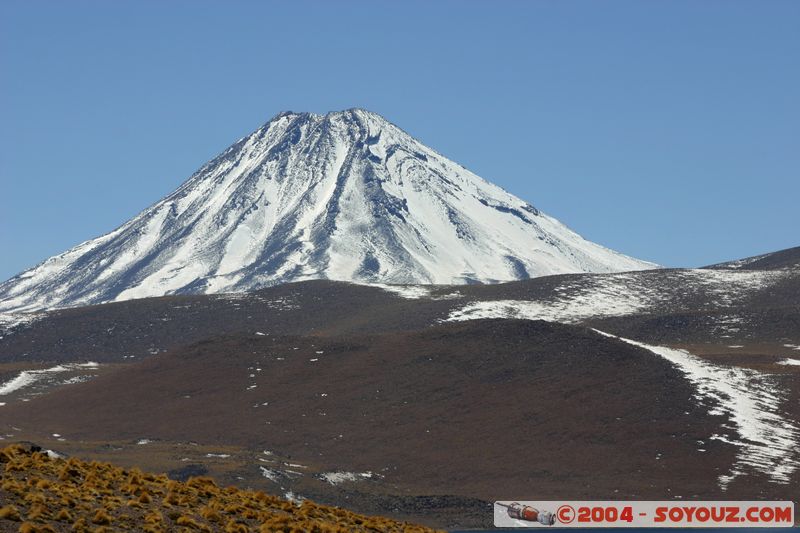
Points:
(603, 298)
(339, 477)
(27, 378)
(727, 288)
(576, 299)
(10, 322)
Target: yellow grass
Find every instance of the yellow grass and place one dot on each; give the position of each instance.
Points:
(42, 494)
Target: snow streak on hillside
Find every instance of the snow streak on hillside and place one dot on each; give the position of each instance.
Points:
(768, 441)
(344, 196)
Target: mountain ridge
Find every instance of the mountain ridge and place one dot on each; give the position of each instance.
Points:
(785, 258)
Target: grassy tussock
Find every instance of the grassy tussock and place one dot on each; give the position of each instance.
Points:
(40, 495)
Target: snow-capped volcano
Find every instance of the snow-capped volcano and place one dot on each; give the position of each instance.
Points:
(344, 196)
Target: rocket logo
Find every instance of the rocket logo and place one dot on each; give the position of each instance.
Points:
(527, 513)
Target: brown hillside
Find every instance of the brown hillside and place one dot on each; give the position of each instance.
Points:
(43, 494)
(450, 410)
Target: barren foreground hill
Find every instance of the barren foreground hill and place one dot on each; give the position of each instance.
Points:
(41, 493)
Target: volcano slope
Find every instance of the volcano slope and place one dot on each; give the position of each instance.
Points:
(346, 196)
(427, 403)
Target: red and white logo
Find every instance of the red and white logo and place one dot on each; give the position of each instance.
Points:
(643, 514)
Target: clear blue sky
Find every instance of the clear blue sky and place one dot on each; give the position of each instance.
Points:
(667, 130)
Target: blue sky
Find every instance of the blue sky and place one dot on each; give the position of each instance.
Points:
(669, 131)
